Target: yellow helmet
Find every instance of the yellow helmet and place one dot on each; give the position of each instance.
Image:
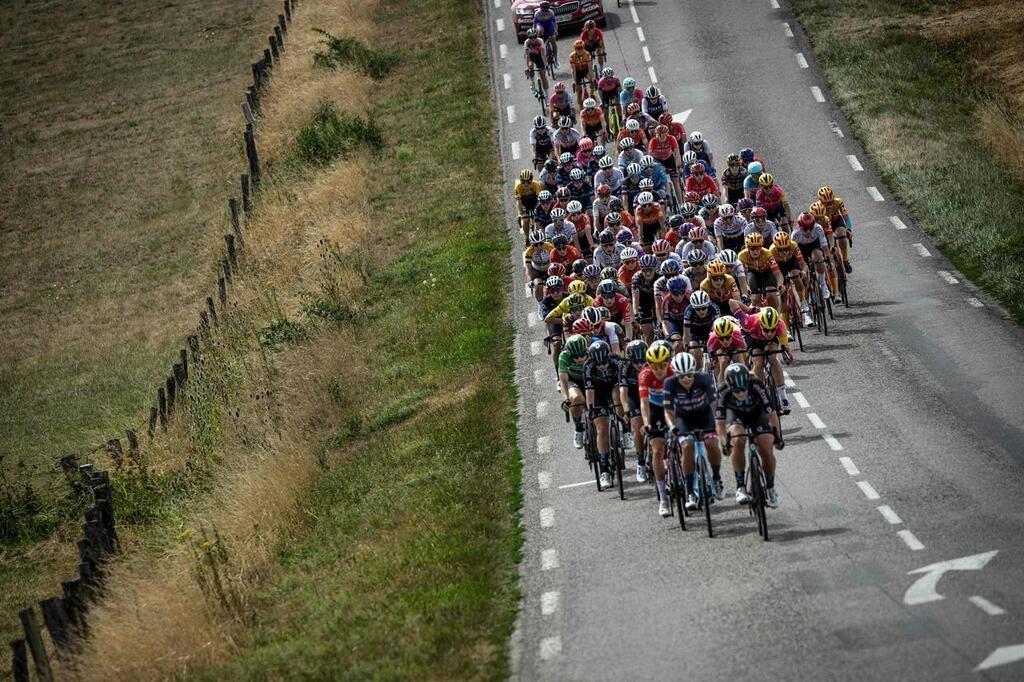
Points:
(724, 326)
(716, 268)
(819, 211)
(659, 353)
(578, 45)
(576, 301)
(754, 240)
(766, 180)
(577, 286)
(782, 240)
(769, 318)
(526, 175)
(826, 194)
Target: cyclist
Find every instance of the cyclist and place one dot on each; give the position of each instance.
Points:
(699, 146)
(580, 63)
(580, 189)
(729, 227)
(735, 268)
(629, 399)
(592, 120)
(610, 175)
(772, 198)
(533, 52)
(675, 129)
(732, 178)
(601, 206)
(664, 149)
(760, 224)
(726, 342)
(629, 94)
(593, 41)
(630, 266)
(610, 87)
(698, 317)
(839, 221)
(545, 23)
(560, 104)
(608, 254)
(696, 267)
(698, 242)
(601, 327)
(609, 296)
(691, 401)
(745, 206)
(700, 182)
(600, 378)
(542, 141)
(814, 242)
(653, 103)
(633, 130)
(763, 274)
(743, 404)
(673, 310)
(650, 389)
(764, 330)
(567, 141)
(564, 252)
(650, 218)
(720, 285)
(560, 226)
(527, 193)
(545, 202)
(791, 262)
(581, 223)
(709, 209)
(750, 186)
(642, 289)
(571, 362)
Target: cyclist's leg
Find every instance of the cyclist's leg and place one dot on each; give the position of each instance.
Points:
(757, 354)
(576, 404)
(658, 461)
(601, 426)
(738, 457)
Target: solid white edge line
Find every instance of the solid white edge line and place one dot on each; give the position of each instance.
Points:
(818, 95)
(503, 50)
(801, 60)
(897, 223)
(875, 194)
(868, 490)
(948, 277)
(889, 515)
(815, 420)
(832, 441)
(640, 35)
(550, 647)
(854, 163)
(975, 303)
(921, 250)
(910, 540)
(987, 606)
(850, 467)
(515, 151)
(647, 54)
(654, 77)
(543, 480)
(574, 485)
(548, 559)
(801, 400)
(544, 445)
(787, 29)
(547, 517)
(549, 602)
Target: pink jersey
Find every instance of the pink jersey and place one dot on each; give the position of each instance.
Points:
(736, 342)
(751, 324)
(773, 198)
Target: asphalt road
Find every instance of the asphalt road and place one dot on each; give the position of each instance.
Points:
(904, 448)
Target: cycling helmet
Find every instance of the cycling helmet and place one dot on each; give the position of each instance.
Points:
(583, 325)
(683, 364)
(606, 162)
(557, 213)
(689, 158)
(609, 272)
(744, 203)
(606, 237)
(653, 92)
(628, 253)
(550, 165)
(577, 301)
(729, 257)
(782, 240)
(647, 161)
(574, 206)
(737, 376)
(691, 198)
(565, 157)
(647, 185)
(615, 205)
(577, 267)
(648, 262)
(698, 232)
(697, 168)
(556, 269)
(747, 155)
(591, 272)
(537, 238)
(545, 5)
(606, 287)
(586, 144)
(526, 175)
(826, 194)
(632, 125)
(539, 122)
(545, 195)
(645, 199)
(576, 346)
(696, 137)
(805, 220)
(726, 210)
(565, 122)
(716, 268)
(633, 169)
(661, 129)
(531, 33)
(607, 72)
(754, 168)
(592, 315)
(563, 193)
(700, 299)
(636, 351)
(603, 190)
(626, 143)
(629, 83)
(758, 212)
(554, 282)
(754, 240)
(624, 237)
(590, 25)
(766, 180)
(632, 109)
(675, 220)
(659, 352)
(724, 327)
(577, 286)
(661, 246)
(709, 200)
(614, 218)
(769, 318)
(576, 174)
(559, 87)
(697, 257)
(688, 210)
(578, 45)
(677, 285)
(670, 267)
(665, 118)
(732, 159)
(819, 211)
(598, 151)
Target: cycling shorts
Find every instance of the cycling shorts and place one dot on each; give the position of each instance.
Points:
(776, 214)
(702, 420)
(633, 402)
(734, 195)
(736, 243)
(537, 59)
(808, 249)
(675, 327)
(580, 75)
(593, 131)
(757, 421)
(759, 281)
(789, 265)
(658, 425)
(609, 98)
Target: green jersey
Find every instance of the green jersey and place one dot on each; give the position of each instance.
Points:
(566, 365)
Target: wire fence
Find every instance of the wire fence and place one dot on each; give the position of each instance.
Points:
(64, 618)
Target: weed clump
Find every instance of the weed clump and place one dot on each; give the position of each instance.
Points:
(332, 134)
(343, 51)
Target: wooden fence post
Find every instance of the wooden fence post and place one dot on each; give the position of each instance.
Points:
(204, 324)
(236, 227)
(254, 159)
(74, 603)
(229, 241)
(55, 618)
(282, 24)
(19, 661)
(287, 10)
(211, 310)
(279, 34)
(115, 451)
(161, 401)
(193, 347)
(247, 113)
(226, 269)
(222, 292)
(35, 644)
(252, 96)
(274, 52)
(257, 76)
(268, 62)
(172, 394)
(153, 412)
(183, 361)
(133, 445)
(246, 204)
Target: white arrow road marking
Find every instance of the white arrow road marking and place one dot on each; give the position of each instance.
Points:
(923, 590)
(987, 606)
(682, 116)
(1002, 656)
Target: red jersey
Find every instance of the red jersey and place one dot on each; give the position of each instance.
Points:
(592, 39)
(662, 150)
(672, 308)
(571, 255)
(650, 386)
(626, 276)
(734, 342)
(706, 185)
(618, 306)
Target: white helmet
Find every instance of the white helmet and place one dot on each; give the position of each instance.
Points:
(589, 103)
(689, 157)
(557, 213)
(683, 363)
(696, 137)
(633, 169)
(576, 174)
(700, 299)
(574, 206)
(629, 252)
(726, 210)
(606, 162)
(645, 199)
(632, 125)
(728, 256)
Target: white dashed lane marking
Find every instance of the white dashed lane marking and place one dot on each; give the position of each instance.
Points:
(549, 603)
(787, 30)
(801, 60)
(654, 77)
(535, 347)
(547, 517)
(801, 400)
(548, 559)
(640, 34)
(868, 490)
(854, 163)
(875, 194)
(889, 515)
(500, 24)
(975, 302)
(815, 420)
(543, 480)
(539, 374)
(544, 445)
(503, 50)
(647, 54)
(818, 96)
(775, 4)
(542, 409)
(510, 112)
(532, 318)
(632, 13)
(910, 540)
(897, 223)
(948, 278)
(550, 647)
(987, 606)
(507, 80)
(832, 441)
(922, 251)
(850, 467)
(515, 151)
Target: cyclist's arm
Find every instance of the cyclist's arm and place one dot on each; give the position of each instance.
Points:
(645, 411)
(590, 398)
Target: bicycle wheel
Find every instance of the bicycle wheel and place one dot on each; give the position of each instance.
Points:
(704, 484)
(595, 463)
(843, 289)
(620, 456)
(758, 502)
(678, 487)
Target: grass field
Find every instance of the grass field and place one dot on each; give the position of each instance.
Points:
(933, 90)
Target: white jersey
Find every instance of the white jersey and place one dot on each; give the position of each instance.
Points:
(817, 234)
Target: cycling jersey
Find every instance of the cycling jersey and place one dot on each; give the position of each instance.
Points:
(613, 177)
(592, 38)
(568, 139)
(617, 305)
(661, 286)
(791, 256)
(562, 308)
(567, 256)
(534, 46)
(815, 235)
(762, 263)
(686, 248)
(673, 308)
(593, 117)
(703, 151)
(733, 177)
(705, 185)
(527, 192)
(609, 85)
(734, 343)
(721, 293)
(626, 97)
(601, 381)
(732, 228)
(770, 199)
(566, 365)
(643, 288)
(560, 102)
(567, 229)
(652, 388)
(751, 411)
(549, 302)
(751, 325)
(663, 150)
(767, 231)
(700, 327)
(580, 61)
(699, 397)
(546, 22)
(649, 215)
(654, 107)
(539, 257)
(608, 259)
(626, 275)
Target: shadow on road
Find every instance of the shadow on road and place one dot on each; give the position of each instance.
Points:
(785, 535)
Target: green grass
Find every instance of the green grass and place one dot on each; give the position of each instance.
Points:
(914, 104)
(407, 565)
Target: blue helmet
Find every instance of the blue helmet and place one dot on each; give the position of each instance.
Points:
(677, 285)
(606, 287)
(670, 267)
(747, 154)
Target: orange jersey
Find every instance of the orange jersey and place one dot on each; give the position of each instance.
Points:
(649, 214)
(580, 60)
(592, 117)
(784, 256)
(722, 293)
(762, 263)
